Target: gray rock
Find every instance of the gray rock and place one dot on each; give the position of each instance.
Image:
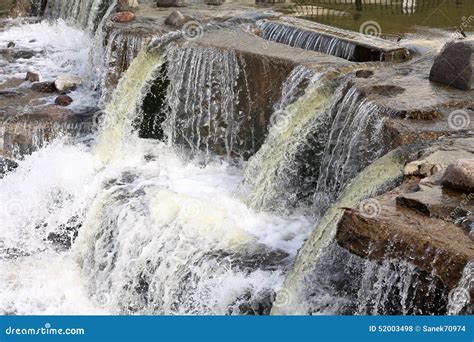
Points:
(11, 45)
(460, 175)
(453, 66)
(176, 19)
(32, 76)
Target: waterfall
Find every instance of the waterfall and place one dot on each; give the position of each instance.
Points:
(301, 283)
(166, 235)
(124, 107)
(112, 59)
(307, 40)
(124, 224)
(317, 146)
(203, 98)
(85, 13)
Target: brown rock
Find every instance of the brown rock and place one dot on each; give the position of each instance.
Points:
(63, 100)
(175, 19)
(123, 17)
(44, 87)
(32, 76)
(435, 246)
(453, 66)
(460, 175)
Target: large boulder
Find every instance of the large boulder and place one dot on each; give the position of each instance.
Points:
(453, 66)
(460, 175)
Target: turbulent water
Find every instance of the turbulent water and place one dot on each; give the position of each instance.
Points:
(156, 232)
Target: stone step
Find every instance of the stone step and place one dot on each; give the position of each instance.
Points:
(350, 45)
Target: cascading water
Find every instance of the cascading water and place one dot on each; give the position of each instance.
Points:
(336, 139)
(195, 247)
(86, 13)
(203, 94)
(303, 284)
(133, 225)
(306, 39)
(124, 106)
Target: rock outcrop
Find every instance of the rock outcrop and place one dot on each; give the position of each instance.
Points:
(418, 221)
(453, 66)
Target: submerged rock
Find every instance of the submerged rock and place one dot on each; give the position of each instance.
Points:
(63, 100)
(32, 76)
(123, 17)
(11, 45)
(66, 83)
(460, 175)
(44, 87)
(453, 66)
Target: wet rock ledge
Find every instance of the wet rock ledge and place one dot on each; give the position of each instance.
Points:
(427, 220)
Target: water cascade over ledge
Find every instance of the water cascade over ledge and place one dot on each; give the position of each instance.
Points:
(212, 183)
